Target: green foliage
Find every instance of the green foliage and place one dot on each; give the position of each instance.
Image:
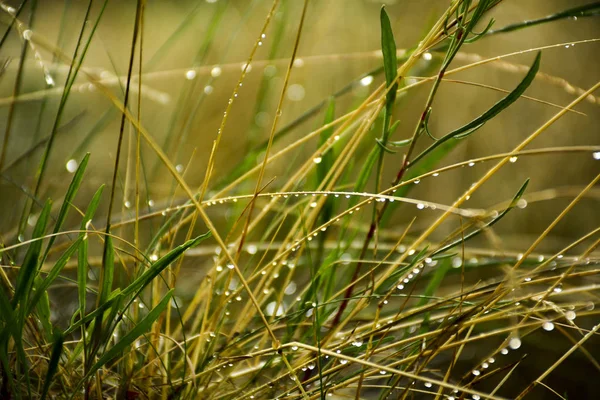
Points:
(335, 278)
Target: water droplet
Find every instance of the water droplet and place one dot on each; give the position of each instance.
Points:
(420, 206)
(400, 287)
(345, 258)
(49, 80)
(513, 159)
(313, 204)
(357, 343)
(558, 289)
(504, 352)
(270, 310)
(570, 315)
(179, 168)
(548, 326)
(296, 92)
(471, 164)
(215, 72)
(291, 288)
(251, 249)
(317, 160)
(428, 384)
(72, 165)
(416, 182)
(427, 56)
(596, 155)
(522, 203)
(127, 204)
(208, 89)
(27, 34)
(476, 372)
(32, 219)
(298, 63)
(514, 343)
(367, 80)
(153, 257)
(270, 71)
(219, 268)
(382, 372)
(260, 43)
(190, 74)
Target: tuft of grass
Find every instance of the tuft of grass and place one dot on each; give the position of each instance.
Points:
(189, 251)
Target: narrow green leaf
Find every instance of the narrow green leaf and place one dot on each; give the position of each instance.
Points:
(53, 274)
(512, 205)
(138, 330)
(490, 113)
(28, 269)
(388, 48)
(162, 263)
(390, 66)
(82, 263)
(109, 270)
(588, 10)
(114, 297)
(57, 348)
(64, 208)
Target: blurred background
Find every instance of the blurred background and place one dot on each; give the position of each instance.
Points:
(193, 54)
(183, 101)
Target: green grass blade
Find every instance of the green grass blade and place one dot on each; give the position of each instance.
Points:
(512, 205)
(490, 113)
(162, 263)
(53, 274)
(57, 348)
(588, 10)
(139, 329)
(109, 270)
(64, 208)
(28, 270)
(82, 262)
(114, 297)
(388, 48)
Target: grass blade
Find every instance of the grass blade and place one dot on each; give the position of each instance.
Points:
(139, 329)
(512, 205)
(162, 263)
(587, 10)
(490, 113)
(28, 270)
(52, 275)
(57, 348)
(82, 262)
(64, 208)
(388, 48)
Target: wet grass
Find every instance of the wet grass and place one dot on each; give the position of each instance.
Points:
(306, 268)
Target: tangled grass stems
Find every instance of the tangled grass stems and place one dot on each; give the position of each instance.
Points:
(267, 279)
